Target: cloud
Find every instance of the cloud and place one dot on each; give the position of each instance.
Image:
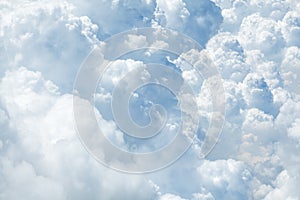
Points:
(257, 93)
(46, 150)
(225, 178)
(291, 28)
(228, 56)
(290, 70)
(47, 37)
(286, 187)
(198, 20)
(261, 33)
(293, 131)
(254, 45)
(170, 197)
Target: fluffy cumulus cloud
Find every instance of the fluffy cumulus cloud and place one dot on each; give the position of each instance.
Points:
(42, 35)
(255, 46)
(41, 159)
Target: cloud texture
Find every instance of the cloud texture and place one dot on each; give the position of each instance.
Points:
(255, 46)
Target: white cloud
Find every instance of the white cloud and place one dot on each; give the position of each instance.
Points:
(286, 188)
(290, 69)
(228, 56)
(170, 197)
(294, 130)
(257, 93)
(116, 16)
(172, 13)
(47, 37)
(47, 152)
(291, 28)
(198, 19)
(255, 48)
(22, 177)
(225, 178)
(261, 33)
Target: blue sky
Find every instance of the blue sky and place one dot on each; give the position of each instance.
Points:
(254, 45)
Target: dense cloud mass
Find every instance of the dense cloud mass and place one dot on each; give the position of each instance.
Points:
(255, 45)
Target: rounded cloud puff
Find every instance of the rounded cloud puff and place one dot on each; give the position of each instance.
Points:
(228, 179)
(291, 28)
(228, 55)
(47, 37)
(198, 19)
(261, 33)
(47, 153)
(290, 69)
(257, 93)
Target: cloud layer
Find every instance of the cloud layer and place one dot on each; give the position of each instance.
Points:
(255, 46)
